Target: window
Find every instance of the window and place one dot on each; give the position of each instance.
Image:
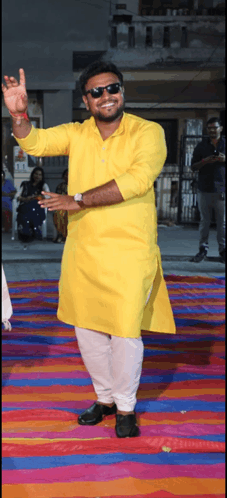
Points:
(222, 118)
(113, 40)
(148, 41)
(166, 37)
(160, 7)
(174, 193)
(131, 37)
(121, 6)
(145, 7)
(184, 37)
(170, 127)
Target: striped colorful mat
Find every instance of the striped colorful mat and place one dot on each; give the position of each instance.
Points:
(180, 408)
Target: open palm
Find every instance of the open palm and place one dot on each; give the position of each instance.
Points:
(15, 95)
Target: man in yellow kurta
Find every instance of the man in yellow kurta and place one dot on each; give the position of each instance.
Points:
(111, 284)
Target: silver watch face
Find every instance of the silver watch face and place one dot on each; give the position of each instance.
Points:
(78, 197)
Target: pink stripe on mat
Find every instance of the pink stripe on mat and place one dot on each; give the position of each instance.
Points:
(87, 472)
(99, 431)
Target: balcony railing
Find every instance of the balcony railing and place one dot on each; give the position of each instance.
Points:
(148, 11)
(168, 32)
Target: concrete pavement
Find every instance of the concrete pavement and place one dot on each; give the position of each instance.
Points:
(178, 244)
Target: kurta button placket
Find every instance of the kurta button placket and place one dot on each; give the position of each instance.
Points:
(111, 258)
(102, 154)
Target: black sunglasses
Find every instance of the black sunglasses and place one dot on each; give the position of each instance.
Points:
(98, 91)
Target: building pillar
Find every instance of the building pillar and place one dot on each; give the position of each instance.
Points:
(157, 36)
(175, 36)
(57, 109)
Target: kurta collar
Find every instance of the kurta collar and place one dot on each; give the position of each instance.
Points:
(118, 131)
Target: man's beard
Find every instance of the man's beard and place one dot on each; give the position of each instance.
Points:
(113, 117)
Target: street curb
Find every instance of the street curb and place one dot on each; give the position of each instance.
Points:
(188, 259)
(32, 260)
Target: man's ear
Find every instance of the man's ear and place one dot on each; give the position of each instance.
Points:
(85, 101)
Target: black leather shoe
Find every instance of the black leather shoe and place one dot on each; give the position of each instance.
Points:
(95, 414)
(126, 425)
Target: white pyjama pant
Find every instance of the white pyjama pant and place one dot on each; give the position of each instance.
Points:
(114, 364)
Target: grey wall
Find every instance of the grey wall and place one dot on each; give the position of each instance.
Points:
(57, 108)
(41, 37)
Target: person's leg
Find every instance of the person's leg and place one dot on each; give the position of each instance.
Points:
(37, 218)
(219, 207)
(7, 220)
(95, 348)
(127, 358)
(24, 228)
(114, 364)
(205, 207)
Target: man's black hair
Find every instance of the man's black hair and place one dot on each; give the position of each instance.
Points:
(98, 67)
(214, 120)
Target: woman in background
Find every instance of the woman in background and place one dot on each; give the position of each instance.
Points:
(61, 217)
(8, 193)
(30, 215)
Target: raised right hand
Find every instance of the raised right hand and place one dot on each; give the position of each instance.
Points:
(15, 95)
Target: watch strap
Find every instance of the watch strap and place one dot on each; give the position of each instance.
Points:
(79, 199)
(81, 204)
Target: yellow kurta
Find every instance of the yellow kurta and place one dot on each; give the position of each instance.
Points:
(111, 259)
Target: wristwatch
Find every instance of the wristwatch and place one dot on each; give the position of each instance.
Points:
(79, 199)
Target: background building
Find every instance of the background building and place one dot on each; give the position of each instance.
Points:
(171, 54)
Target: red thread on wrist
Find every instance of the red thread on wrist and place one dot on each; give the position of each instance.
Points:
(202, 161)
(22, 115)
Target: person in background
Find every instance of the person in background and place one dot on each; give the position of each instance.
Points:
(7, 309)
(209, 160)
(8, 193)
(30, 216)
(61, 217)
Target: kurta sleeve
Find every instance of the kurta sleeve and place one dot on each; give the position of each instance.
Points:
(50, 142)
(150, 155)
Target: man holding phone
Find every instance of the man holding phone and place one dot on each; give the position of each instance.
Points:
(209, 160)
